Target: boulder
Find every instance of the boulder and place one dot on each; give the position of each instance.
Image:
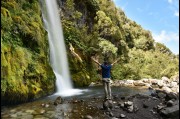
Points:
(154, 81)
(58, 100)
(92, 84)
(161, 95)
(139, 83)
(165, 79)
(107, 104)
(146, 81)
(166, 89)
(129, 82)
(170, 111)
(160, 83)
(88, 117)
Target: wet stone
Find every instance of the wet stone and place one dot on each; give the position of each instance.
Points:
(29, 111)
(27, 117)
(88, 117)
(122, 115)
(39, 117)
(13, 115)
(170, 103)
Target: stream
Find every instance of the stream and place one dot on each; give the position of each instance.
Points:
(69, 109)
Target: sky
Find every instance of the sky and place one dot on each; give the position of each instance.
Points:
(161, 17)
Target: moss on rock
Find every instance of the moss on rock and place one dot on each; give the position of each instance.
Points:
(25, 71)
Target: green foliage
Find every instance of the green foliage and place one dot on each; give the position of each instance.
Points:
(162, 48)
(149, 64)
(107, 47)
(24, 53)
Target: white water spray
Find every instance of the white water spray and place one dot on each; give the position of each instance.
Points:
(58, 57)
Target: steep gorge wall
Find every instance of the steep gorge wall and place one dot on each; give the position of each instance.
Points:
(26, 73)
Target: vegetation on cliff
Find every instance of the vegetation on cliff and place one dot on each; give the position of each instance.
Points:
(86, 23)
(25, 70)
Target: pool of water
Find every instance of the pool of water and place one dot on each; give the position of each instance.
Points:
(35, 110)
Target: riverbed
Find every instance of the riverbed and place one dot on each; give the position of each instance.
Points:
(73, 107)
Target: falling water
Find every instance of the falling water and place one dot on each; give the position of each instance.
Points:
(58, 56)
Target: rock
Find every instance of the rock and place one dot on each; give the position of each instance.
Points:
(122, 115)
(123, 98)
(110, 104)
(160, 83)
(145, 104)
(159, 107)
(176, 78)
(111, 114)
(170, 103)
(130, 109)
(154, 94)
(38, 112)
(152, 111)
(166, 89)
(128, 103)
(27, 117)
(129, 82)
(29, 111)
(171, 96)
(114, 118)
(107, 104)
(58, 100)
(170, 111)
(139, 83)
(92, 84)
(42, 104)
(136, 108)
(116, 107)
(146, 80)
(46, 105)
(154, 81)
(75, 111)
(13, 115)
(165, 80)
(148, 86)
(161, 95)
(115, 96)
(121, 105)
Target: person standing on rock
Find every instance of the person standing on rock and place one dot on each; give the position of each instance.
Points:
(106, 77)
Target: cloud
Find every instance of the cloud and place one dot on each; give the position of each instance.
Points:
(170, 39)
(176, 13)
(166, 37)
(174, 6)
(170, 1)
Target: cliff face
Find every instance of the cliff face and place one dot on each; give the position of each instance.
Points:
(25, 70)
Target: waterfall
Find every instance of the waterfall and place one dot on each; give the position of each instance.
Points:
(58, 57)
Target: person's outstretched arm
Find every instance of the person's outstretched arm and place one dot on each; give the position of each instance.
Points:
(95, 61)
(115, 61)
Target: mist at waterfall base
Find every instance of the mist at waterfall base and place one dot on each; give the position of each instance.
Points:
(58, 57)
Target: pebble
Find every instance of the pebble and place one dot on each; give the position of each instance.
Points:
(88, 117)
(122, 115)
(29, 111)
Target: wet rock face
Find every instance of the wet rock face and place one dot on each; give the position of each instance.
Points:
(107, 104)
(58, 100)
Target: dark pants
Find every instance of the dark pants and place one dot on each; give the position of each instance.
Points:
(107, 88)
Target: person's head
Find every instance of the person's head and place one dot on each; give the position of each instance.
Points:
(105, 62)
